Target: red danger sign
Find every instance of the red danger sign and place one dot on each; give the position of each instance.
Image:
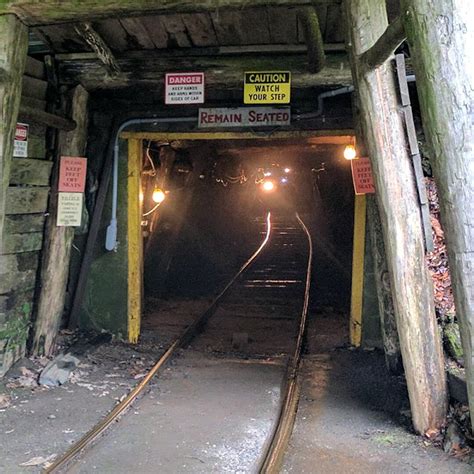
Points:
(21, 132)
(362, 176)
(184, 88)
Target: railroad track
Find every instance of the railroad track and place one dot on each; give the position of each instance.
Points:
(276, 276)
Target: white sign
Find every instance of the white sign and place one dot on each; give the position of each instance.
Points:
(184, 88)
(69, 209)
(244, 117)
(20, 145)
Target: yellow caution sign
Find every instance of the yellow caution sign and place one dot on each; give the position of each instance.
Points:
(267, 87)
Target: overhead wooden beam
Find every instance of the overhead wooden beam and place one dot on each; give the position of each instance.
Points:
(95, 41)
(222, 71)
(313, 38)
(45, 118)
(412, 291)
(443, 59)
(33, 12)
(388, 42)
(13, 50)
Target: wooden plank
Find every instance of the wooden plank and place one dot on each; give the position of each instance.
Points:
(200, 29)
(26, 200)
(114, 34)
(37, 147)
(24, 223)
(177, 32)
(62, 38)
(34, 68)
(49, 12)
(254, 26)
(46, 118)
(227, 27)
(334, 24)
(32, 87)
(156, 30)
(34, 103)
(30, 171)
(18, 271)
(357, 287)
(283, 25)
(19, 243)
(58, 240)
(385, 139)
(138, 36)
(14, 41)
(135, 239)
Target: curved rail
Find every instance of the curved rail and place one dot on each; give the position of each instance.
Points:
(273, 457)
(187, 335)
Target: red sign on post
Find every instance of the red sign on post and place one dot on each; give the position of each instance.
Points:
(72, 174)
(184, 88)
(362, 176)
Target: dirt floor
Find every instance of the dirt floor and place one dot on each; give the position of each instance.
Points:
(352, 415)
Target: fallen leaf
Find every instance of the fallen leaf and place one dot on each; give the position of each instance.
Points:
(38, 460)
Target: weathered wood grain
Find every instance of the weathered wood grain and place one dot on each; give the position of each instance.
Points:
(30, 171)
(13, 49)
(62, 38)
(46, 118)
(18, 271)
(282, 24)
(58, 240)
(19, 243)
(156, 30)
(23, 223)
(48, 12)
(32, 87)
(138, 37)
(441, 35)
(177, 32)
(114, 33)
(26, 200)
(200, 29)
(412, 292)
(34, 68)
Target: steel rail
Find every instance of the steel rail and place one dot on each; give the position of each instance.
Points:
(187, 335)
(273, 456)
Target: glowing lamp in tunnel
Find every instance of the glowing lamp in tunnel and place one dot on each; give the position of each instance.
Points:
(158, 196)
(350, 152)
(284, 180)
(268, 186)
(287, 170)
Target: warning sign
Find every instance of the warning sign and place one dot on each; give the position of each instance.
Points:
(267, 87)
(362, 176)
(20, 145)
(184, 88)
(72, 174)
(69, 209)
(244, 117)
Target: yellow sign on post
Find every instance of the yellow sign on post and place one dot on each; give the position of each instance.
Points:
(267, 87)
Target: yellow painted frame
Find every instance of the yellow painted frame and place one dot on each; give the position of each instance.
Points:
(358, 254)
(135, 242)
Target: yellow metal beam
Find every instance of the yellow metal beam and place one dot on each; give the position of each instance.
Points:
(135, 247)
(358, 270)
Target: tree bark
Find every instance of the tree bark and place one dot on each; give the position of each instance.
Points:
(441, 37)
(13, 50)
(401, 221)
(58, 240)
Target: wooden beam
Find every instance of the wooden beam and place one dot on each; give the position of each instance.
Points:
(313, 38)
(220, 71)
(95, 41)
(388, 42)
(443, 60)
(58, 240)
(34, 13)
(384, 137)
(45, 118)
(14, 41)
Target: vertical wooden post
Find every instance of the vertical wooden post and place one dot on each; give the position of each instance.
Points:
(13, 50)
(135, 246)
(400, 216)
(58, 240)
(358, 253)
(391, 344)
(441, 37)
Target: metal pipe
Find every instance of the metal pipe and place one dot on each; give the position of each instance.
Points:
(111, 236)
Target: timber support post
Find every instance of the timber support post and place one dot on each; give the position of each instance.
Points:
(441, 37)
(397, 198)
(13, 51)
(58, 240)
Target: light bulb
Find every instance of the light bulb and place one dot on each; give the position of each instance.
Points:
(350, 152)
(158, 196)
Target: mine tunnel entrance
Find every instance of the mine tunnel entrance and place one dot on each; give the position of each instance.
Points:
(203, 209)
